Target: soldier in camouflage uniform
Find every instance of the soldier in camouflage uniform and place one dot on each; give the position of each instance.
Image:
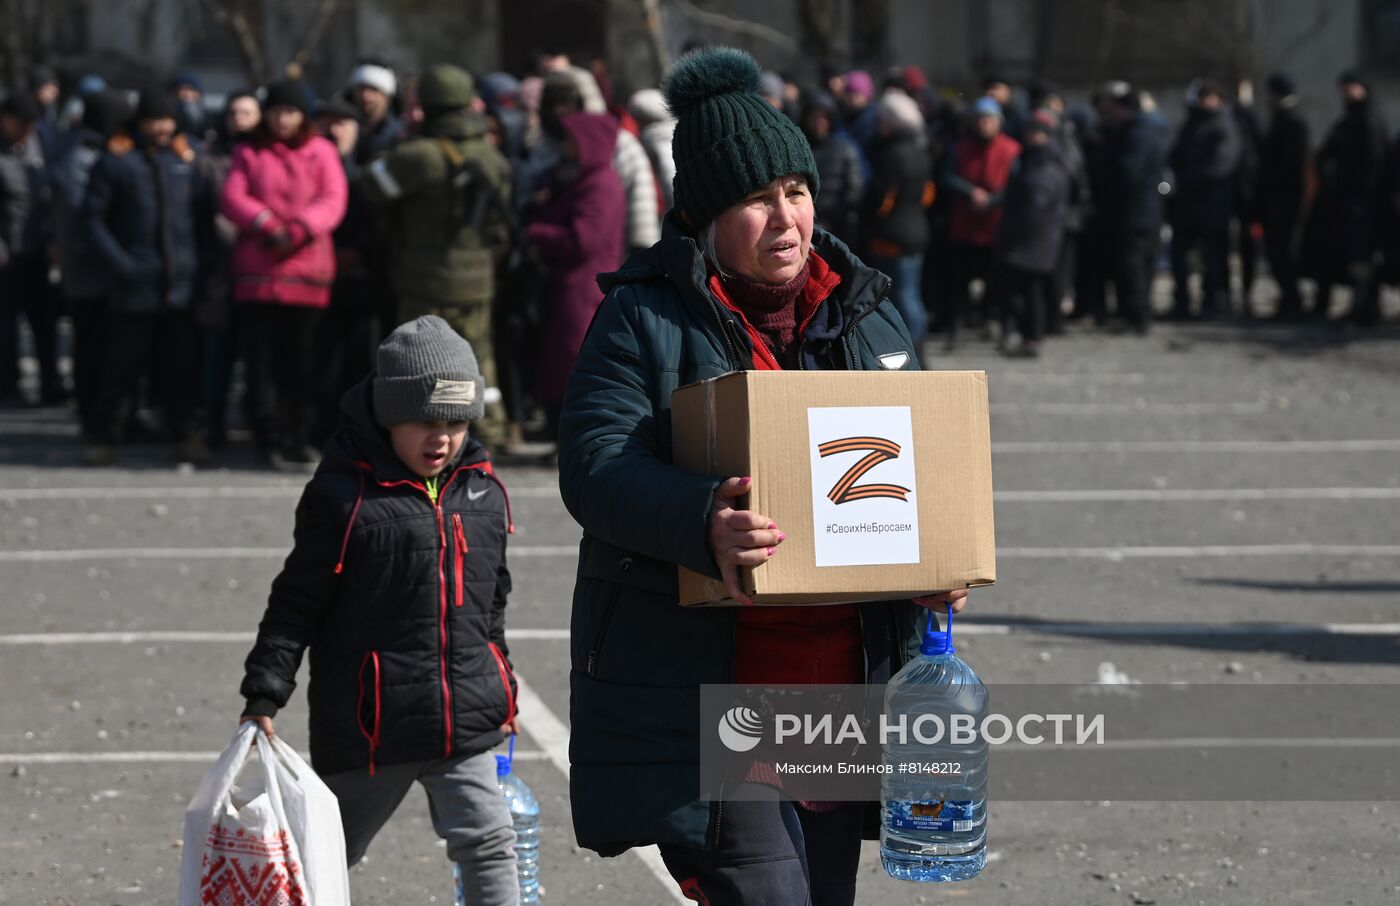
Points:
(448, 189)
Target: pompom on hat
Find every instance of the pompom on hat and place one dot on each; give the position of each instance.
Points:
(729, 140)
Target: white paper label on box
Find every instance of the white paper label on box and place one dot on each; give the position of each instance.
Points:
(865, 507)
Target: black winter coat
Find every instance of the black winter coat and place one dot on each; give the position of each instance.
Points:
(842, 174)
(901, 187)
(1204, 160)
(84, 276)
(401, 601)
(14, 204)
(638, 658)
(1135, 160)
(149, 219)
(1283, 163)
(1343, 222)
(1035, 213)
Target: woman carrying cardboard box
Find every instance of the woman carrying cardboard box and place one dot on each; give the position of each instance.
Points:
(740, 280)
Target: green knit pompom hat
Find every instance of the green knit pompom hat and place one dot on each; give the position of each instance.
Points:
(729, 141)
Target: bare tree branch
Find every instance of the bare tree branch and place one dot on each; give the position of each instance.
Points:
(1322, 17)
(737, 26)
(822, 21)
(147, 17)
(233, 16)
(325, 11)
(652, 10)
(16, 62)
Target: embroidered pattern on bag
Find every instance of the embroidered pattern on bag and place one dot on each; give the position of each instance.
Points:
(244, 870)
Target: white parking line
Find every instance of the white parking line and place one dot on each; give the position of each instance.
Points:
(1220, 742)
(1118, 552)
(970, 626)
(552, 736)
(1181, 495)
(1171, 552)
(1070, 495)
(1138, 407)
(1383, 445)
(157, 757)
(217, 553)
(274, 492)
(1075, 378)
(165, 637)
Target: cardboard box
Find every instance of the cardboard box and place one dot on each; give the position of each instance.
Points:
(882, 481)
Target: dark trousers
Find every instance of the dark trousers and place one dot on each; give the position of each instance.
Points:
(1134, 254)
(349, 335)
(25, 289)
(217, 356)
(1024, 297)
(773, 853)
(1093, 268)
(1248, 249)
(967, 263)
(1357, 227)
(162, 346)
(1060, 282)
(90, 342)
(279, 350)
(1214, 241)
(1278, 246)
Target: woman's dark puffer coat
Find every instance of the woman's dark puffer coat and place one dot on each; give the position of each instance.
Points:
(402, 602)
(638, 658)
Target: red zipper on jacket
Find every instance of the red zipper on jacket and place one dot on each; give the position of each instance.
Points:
(371, 736)
(505, 670)
(459, 554)
(442, 598)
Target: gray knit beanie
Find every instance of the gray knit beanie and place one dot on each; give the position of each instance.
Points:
(427, 373)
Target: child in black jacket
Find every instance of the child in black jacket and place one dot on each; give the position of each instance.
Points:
(397, 582)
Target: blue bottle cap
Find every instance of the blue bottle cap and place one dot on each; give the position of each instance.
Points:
(935, 642)
(503, 761)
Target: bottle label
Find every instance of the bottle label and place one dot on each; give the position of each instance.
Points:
(940, 815)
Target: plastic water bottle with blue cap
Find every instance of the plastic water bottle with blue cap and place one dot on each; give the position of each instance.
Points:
(525, 816)
(934, 812)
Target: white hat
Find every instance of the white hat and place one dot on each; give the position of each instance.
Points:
(375, 76)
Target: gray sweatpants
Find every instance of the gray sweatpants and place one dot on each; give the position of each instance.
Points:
(467, 809)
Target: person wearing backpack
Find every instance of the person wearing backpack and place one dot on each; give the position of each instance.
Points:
(447, 191)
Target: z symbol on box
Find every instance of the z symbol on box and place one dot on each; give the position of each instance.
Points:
(881, 450)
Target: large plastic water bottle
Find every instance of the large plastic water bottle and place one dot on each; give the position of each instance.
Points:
(525, 816)
(934, 823)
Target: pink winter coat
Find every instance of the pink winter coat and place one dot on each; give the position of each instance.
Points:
(301, 189)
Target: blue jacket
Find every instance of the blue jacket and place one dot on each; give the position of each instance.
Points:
(148, 218)
(638, 658)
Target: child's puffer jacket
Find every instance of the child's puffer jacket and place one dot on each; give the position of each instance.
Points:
(401, 600)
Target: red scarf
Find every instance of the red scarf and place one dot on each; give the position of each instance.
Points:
(806, 643)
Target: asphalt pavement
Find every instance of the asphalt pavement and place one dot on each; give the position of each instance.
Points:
(1211, 504)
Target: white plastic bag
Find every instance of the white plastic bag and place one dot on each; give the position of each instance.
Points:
(314, 816)
(272, 840)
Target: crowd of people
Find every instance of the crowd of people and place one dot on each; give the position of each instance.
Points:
(291, 233)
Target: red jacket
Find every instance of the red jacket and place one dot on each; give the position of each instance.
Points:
(301, 189)
(986, 165)
(795, 644)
